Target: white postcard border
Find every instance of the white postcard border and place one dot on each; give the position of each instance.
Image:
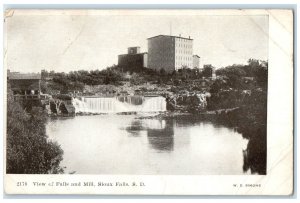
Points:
(279, 178)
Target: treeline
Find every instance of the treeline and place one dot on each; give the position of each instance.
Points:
(236, 82)
(114, 75)
(28, 150)
(75, 80)
(230, 77)
(238, 76)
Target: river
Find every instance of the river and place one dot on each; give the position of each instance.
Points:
(125, 144)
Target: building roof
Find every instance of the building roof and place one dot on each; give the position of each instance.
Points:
(143, 53)
(24, 76)
(170, 36)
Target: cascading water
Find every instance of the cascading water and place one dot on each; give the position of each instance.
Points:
(119, 104)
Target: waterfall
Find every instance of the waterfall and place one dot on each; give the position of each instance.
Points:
(119, 104)
(154, 104)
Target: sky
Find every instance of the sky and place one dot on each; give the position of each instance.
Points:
(66, 41)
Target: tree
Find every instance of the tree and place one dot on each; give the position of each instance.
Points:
(44, 74)
(28, 149)
(207, 70)
(234, 73)
(253, 62)
(162, 72)
(217, 85)
(260, 69)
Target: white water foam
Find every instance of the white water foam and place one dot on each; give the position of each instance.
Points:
(113, 105)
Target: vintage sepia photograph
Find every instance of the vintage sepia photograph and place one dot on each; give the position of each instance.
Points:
(131, 92)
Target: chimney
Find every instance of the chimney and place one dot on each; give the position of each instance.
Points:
(189, 37)
(179, 35)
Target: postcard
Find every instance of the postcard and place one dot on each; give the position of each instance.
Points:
(148, 102)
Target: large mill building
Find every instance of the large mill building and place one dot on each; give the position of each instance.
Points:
(164, 52)
(171, 53)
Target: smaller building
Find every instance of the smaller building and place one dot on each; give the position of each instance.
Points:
(196, 61)
(134, 50)
(133, 60)
(25, 86)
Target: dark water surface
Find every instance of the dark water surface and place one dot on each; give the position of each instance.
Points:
(123, 144)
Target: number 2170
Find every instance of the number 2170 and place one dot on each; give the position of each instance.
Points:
(21, 183)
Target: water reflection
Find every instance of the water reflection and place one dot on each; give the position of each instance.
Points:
(255, 156)
(124, 144)
(135, 128)
(160, 133)
(162, 139)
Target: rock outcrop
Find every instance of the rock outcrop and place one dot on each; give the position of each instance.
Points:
(187, 102)
(60, 106)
